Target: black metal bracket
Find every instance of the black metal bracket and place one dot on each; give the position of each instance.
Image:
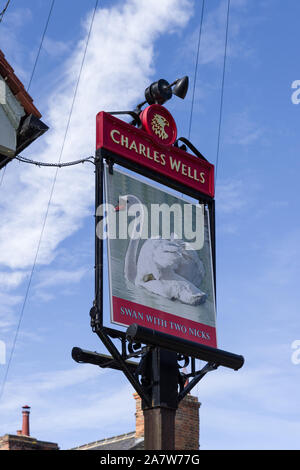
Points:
(122, 363)
(156, 377)
(197, 376)
(181, 350)
(136, 118)
(190, 146)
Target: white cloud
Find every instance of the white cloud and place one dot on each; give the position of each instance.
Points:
(118, 65)
(55, 48)
(30, 388)
(242, 130)
(87, 404)
(213, 34)
(114, 409)
(50, 277)
(256, 431)
(7, 304)
(268, 420)
(9, 280)
(230, 196)
(282, 259)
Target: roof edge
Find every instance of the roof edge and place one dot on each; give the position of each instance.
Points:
(106, 440)
(17, 87)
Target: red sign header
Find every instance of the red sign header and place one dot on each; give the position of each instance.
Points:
(153, 149)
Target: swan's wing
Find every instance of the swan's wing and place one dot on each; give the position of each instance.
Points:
(190, 265)
(160, 255)
(156, 255)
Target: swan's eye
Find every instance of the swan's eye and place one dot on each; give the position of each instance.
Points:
(148, 277)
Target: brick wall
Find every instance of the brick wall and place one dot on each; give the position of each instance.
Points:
(4, 444)
(186, 423)
(20, 442)
(139, 417)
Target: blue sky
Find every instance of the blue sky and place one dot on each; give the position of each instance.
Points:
(132, 44)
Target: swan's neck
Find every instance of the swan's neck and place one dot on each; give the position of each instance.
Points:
(130, 267)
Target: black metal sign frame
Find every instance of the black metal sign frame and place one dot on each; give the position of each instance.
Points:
(112, 158)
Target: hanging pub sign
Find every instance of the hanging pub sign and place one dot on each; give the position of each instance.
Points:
(159, 257)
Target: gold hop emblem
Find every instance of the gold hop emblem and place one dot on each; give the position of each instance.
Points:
(158, 125)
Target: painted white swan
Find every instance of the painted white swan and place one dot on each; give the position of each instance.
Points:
(164, 266)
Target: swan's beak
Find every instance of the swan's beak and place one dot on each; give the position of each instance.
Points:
(120, 207)
(122, 204)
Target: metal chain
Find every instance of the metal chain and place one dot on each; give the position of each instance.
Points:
(58, 165)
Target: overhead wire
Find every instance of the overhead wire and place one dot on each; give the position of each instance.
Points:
(2, 13)
(48, 207)
(196, 69)
(222, 91)
(194, 84)
(41, 44)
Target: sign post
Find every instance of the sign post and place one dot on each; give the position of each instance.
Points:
(161, 257)
(161, 372)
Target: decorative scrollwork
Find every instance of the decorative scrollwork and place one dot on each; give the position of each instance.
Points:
(186, 359)
(134, 348)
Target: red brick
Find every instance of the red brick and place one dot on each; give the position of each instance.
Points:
(186, 423)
